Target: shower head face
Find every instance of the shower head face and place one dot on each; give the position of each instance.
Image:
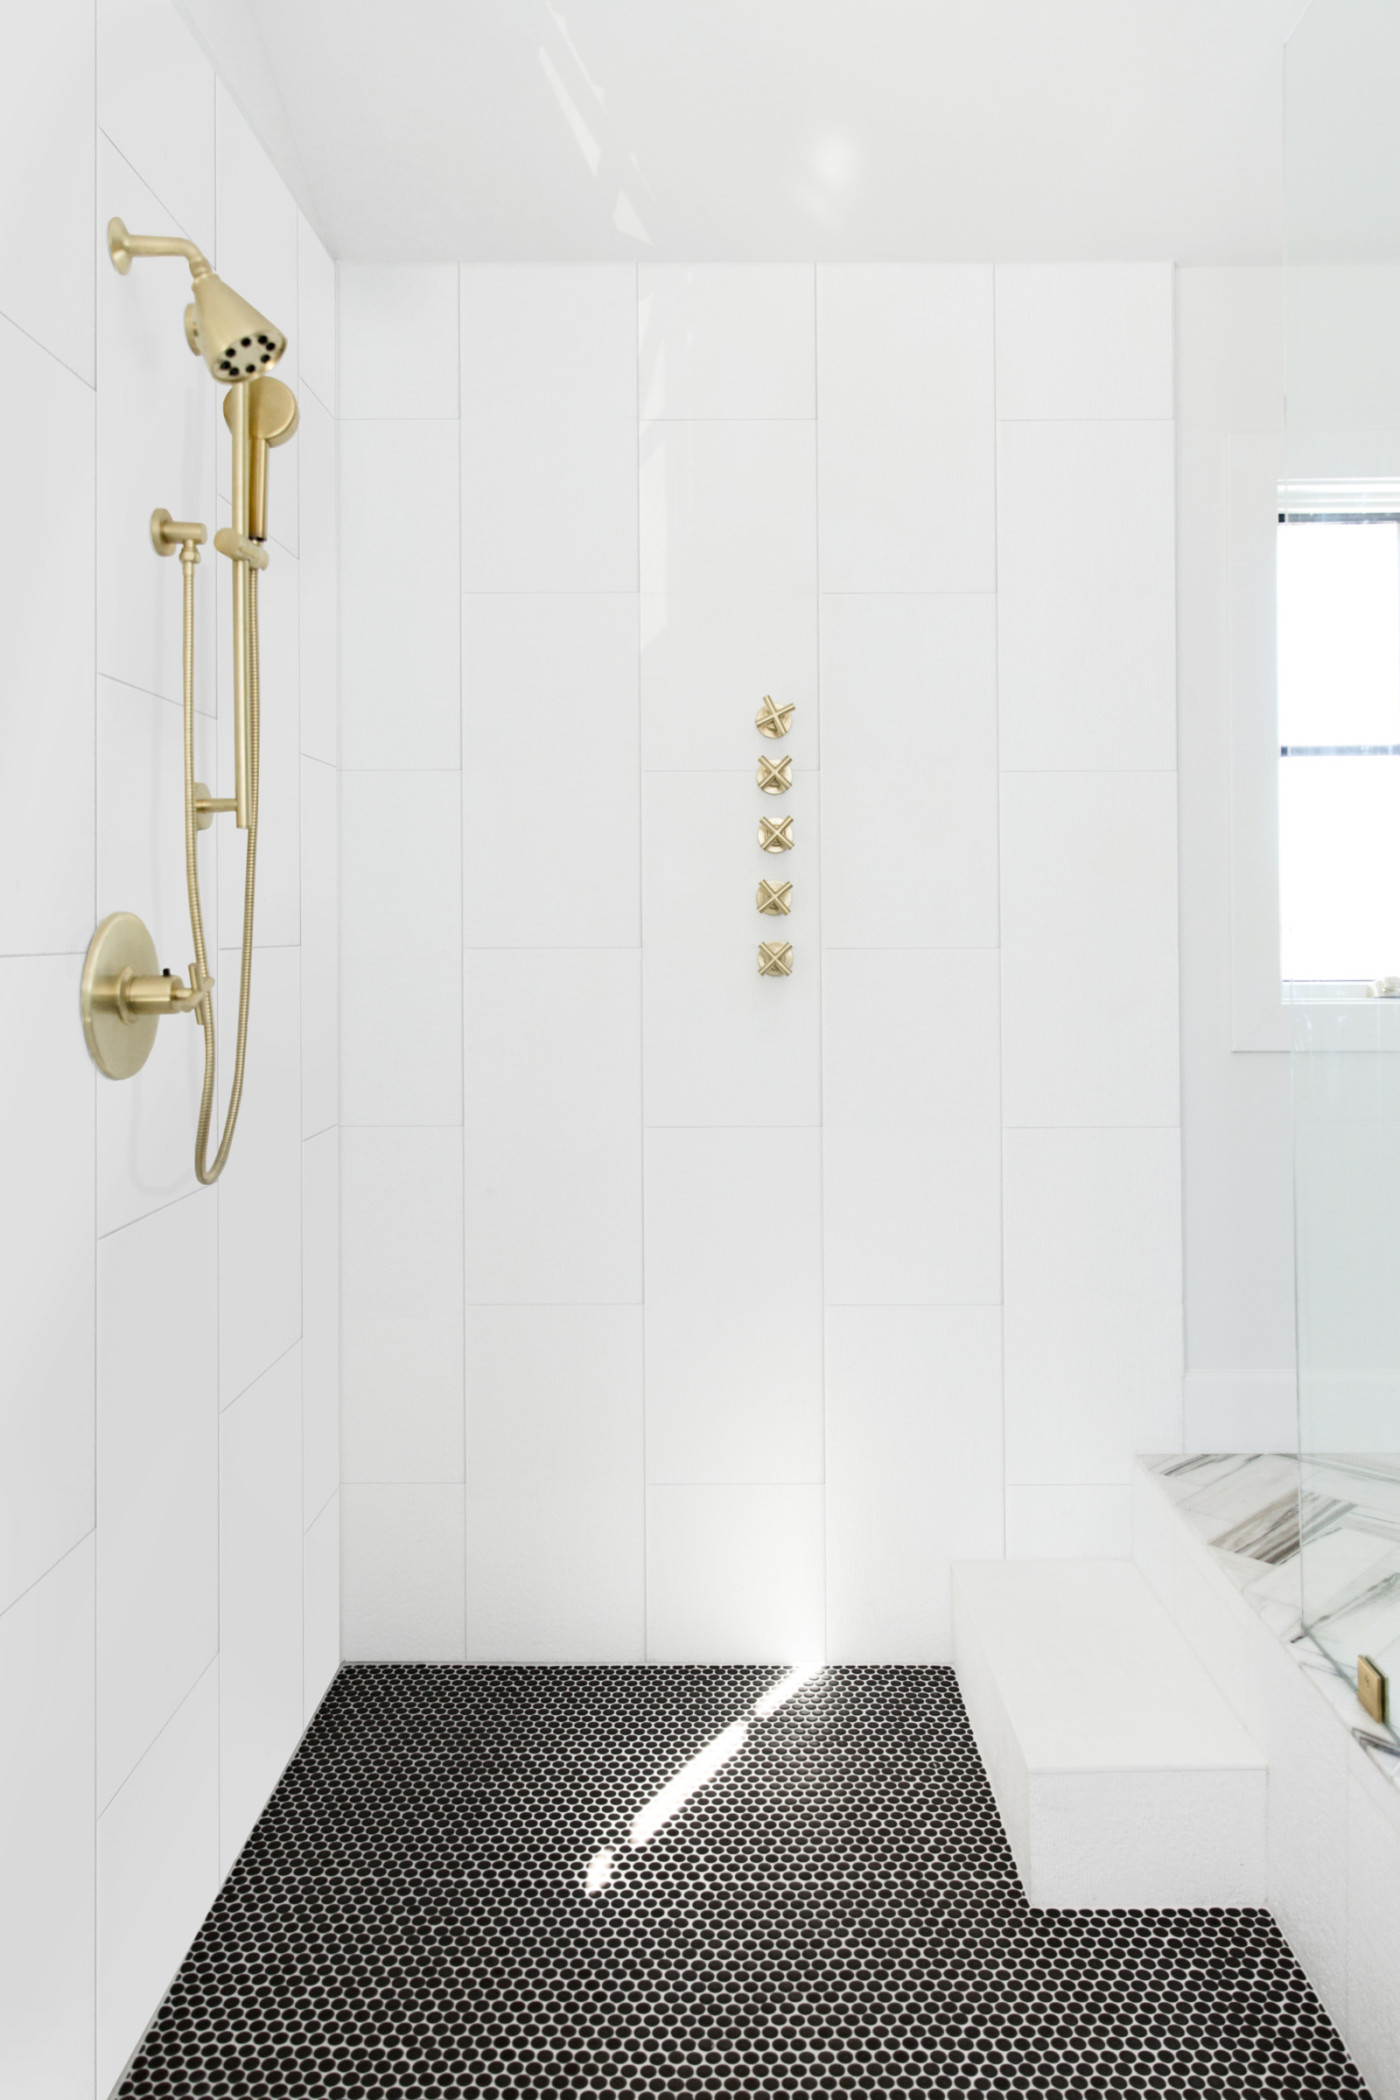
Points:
(233, 338)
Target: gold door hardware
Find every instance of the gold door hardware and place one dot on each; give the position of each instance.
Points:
(775, 775)
(125, 992)
(775, 834)
(772, 720)
(775, 899)
(1372, 1688)
(775, 958)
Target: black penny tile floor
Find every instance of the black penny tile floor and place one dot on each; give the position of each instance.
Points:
(443, 1897)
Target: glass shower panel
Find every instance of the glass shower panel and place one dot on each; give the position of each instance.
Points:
(1339, 723)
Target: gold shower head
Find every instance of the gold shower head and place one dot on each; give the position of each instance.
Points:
(233, 338)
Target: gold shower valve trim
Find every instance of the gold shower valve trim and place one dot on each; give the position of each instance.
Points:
(772, 720)
(774, 899)
(775, 834)
(775, 958)
(124, 993)
(775, 775)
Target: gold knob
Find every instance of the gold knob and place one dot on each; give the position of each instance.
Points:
(775, 958)
(775, 899)
(775, 834)
(775, 775)
(772, 720)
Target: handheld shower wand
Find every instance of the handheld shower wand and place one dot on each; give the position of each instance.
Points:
(120, 1007)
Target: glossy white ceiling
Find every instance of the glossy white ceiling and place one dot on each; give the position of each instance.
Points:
(769, 130)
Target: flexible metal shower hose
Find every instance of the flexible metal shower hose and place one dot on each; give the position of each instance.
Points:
(207, 1171)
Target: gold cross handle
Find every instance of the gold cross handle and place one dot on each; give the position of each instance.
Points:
(772, 720)
(775, 958)
(775, 899)
(775, 775)
(775, 834)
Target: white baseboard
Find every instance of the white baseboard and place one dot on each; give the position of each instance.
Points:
(1240, 1411)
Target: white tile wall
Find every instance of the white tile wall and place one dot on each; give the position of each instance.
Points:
(401, 898)
(46, 1834)
(554, 1484)
(320, 1322)
(320, 946)
(973, 1068)
(402, 1580)
(401, 1271)
(119, 1277)
(553, 1130)
(1086, 597)
(157, 1872)
(734, 1574)
(157, 1475)
(549, 800)
(724, 345)
(46, 1272)
(46, 748)
(913, 1472)
(905, 434)
(400, 620)
(549, 432)
(260, 1596)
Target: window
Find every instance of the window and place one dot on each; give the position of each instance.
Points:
(1339, 746)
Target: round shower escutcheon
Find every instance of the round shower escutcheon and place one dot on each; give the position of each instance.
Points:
(121, 947)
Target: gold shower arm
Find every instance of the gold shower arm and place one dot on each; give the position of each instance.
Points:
(122, 246)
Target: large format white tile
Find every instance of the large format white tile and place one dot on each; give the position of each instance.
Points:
(157, 1476)
(398, 341)
(553, 1127)
(707, 664)
(401, 1318)
(401, 898)
(1068, 1523)
(1086, 604)
(400, 617)
(157, 419)
(913, 1473)
(46, 145)
(157, 1873)
(554, 1484)
(549, 433)
(549, 793)
(726, 343)
(320, 1607)
(141, 820)
(402, 1596)
(910, 1038)
(316, 303)
(320, 946)
(257, 222)
(734, 1574)
(320, 1319)
(1084, 341)
(913, 1216)
(260, 1188)
(1093, 1302)
(318, 579)
(155, 102)
(47, 654)
(46, 1270)
(46, 1812)
(906, 434)
(728, 508)
(260, 1596)
(1089, 949)
(721, 1044)
(909, 786)
(733, 1312)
